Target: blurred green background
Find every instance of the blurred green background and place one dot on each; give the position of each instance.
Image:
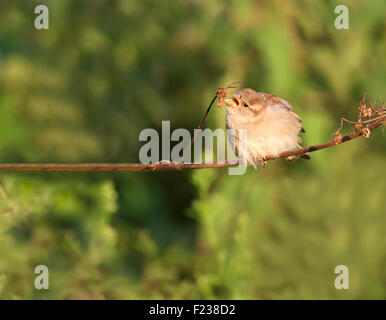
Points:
(84, 89)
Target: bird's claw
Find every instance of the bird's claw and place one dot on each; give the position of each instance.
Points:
(262, 161)
(166, 162)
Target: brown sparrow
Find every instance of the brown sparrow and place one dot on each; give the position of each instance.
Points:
(271, 126)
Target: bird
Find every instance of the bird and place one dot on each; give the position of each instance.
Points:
(271, 125)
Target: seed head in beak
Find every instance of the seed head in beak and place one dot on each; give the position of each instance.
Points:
(235, 101)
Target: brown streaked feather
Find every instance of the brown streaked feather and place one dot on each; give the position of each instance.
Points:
(273, 99)
(295, 116)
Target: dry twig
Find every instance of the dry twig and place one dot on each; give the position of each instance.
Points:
(221, 94)
(368, 114)
(369, 118)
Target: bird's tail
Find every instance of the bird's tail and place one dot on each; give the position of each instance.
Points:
(303, 156)
(306, 156)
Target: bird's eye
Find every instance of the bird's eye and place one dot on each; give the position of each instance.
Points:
(246, 105)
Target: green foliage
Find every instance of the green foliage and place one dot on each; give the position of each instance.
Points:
(84, 89)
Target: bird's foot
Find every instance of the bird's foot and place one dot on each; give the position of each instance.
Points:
(262, 161)
(166, 162)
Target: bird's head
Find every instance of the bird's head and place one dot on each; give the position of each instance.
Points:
(246, 103)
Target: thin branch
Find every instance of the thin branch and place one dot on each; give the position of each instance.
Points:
(221, 94)
(163, 166)
(375, 117)
(160, 166)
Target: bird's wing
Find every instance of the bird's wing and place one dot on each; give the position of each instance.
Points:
(275, 100)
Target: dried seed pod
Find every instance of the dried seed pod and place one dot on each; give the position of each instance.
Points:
(221, 95)
(365, 132)
(221, 92)
(337, 137)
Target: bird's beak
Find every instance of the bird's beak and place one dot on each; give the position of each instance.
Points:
(235, 101)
